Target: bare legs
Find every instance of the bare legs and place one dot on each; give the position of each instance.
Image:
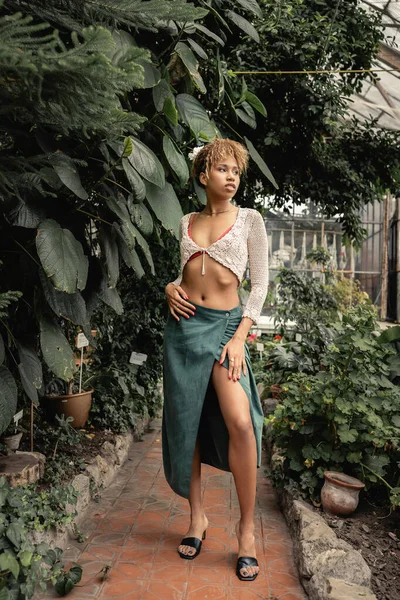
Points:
(198, 520)
(235, 409)
(234, 406)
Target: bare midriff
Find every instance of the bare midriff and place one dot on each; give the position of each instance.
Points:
(216, 289)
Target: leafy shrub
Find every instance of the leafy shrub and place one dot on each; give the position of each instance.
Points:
(304, 300)
(346, 416)
(347, 293)
(62, 446)
(24, 564)
(123, 391)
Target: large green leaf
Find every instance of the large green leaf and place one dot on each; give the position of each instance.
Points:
(191, 64)
(30, 370)
(256, 103)
(391, 334)
(210, 34)
(62, 257)
(260, 162)
(56, 350)
(142, 217)
(200, 192)
(129, 255)
(8, 562)
(66, 169)
(108, 243)
(221, 81)
(6, 595)
(247, 115)
(170, 111)
(252, 6)
(166, 206)
(146, 163)
(135, 181)
(394, 364)
(161, 92)
(24, 214)
(69, 306)
(118, 206)
(243, 24)
(176, 160)
(8, 398)
(152, 75)
(110, 296)
(133, 236)
(198, 49)
(145, 248)
(195, 116)
(396, 421)
(378, 463)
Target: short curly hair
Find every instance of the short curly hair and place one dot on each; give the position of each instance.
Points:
(214, 152)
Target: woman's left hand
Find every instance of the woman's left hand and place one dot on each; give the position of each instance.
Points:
(234, 349)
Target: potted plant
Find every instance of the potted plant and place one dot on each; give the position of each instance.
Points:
(72, 398)
(12, 437)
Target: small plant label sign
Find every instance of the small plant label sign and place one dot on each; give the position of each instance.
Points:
(81, 341)
(137, 358)
(260, 348)
(18, 416)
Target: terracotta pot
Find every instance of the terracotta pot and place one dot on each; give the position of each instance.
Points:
(13, 441)
(76, 406)
(339, 494)
(275, 390)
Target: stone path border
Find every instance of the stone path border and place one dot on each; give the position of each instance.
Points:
(329, 568)
(99, 473)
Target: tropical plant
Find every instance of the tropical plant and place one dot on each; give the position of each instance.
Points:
(100, 104)
(132, 392)
(8, 388)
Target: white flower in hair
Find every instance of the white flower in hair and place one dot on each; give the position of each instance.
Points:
(192, 155)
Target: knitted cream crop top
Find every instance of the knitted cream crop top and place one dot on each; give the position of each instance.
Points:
(245, 242)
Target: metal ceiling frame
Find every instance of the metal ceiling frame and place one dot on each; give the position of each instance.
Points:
(388, 104)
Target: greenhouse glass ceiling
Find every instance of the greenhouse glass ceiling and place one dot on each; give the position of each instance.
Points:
(381, 99)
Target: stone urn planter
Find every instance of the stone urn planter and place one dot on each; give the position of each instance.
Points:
(340, 492)
(76, 406)
(13, 441)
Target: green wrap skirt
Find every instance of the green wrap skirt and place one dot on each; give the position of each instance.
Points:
(191, 409)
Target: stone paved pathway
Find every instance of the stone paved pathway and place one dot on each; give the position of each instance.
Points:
(139, 522)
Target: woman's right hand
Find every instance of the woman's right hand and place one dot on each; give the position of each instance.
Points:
(177, 302)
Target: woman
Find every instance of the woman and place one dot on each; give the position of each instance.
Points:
(212, 412)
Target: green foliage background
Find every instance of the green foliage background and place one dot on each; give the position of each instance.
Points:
(101, 103)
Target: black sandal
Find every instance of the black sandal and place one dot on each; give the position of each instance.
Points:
(194, 543)
(242, 563)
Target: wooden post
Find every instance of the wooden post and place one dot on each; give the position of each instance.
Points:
(385, 257)
(32, 426)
